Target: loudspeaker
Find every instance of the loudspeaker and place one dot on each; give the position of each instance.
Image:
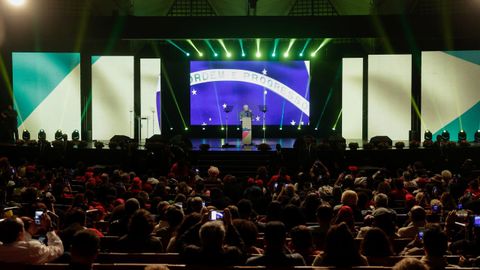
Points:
(119, 142)
(157, 138)
(381, 140)
(413, 136)
(337, 142)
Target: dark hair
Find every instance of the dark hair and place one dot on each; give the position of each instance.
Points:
(275, 233)
(248, 231)
(188, 222)
(141, 224)
(10, 229)
(85, 243)
(174, 216)
(75, 215)
(274, 211)
(324, 212)
(435, 241)
(244, 208)
(417, 213)
(376, 244)
(301, 237)
(292, 216)
(340, 249)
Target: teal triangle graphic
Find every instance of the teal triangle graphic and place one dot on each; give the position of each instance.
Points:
(470, 124)
(95, 58)
(36, 75)
(470, 56)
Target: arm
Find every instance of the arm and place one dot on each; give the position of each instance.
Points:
(38, 253)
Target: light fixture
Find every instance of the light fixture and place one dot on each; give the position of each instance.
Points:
(446, 135)
(462, 135)
(59, 135)
(26, 135)
(75, 135)
(42, 136)
(427, 136)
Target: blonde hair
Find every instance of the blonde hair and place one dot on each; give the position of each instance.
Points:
(213, 171)
(349, 197)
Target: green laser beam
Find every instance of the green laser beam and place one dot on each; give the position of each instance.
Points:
(195, 47)
(82, 25)
(305, 46)
(336, 121)
(178, 47)
(211, 47)
(275, 45)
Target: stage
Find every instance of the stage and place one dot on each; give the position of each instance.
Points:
(239, 160)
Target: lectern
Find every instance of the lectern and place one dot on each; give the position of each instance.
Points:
(246, 118)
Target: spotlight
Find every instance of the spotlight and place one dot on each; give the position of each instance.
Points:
(258, 54)
(42, 136)
(316, 128)
(243, 54)
(75, 135)
(17, 3)
(216, 55)
(187, 54)
(229, 55)
(476, 136)
(58, 135)
(446, 135)
(301, 55)
(186, 128)
(25, 135)
(222, 128)
(427, 136)
(462, 135)
(171, 128)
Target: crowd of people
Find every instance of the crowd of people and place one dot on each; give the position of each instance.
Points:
(311, 217)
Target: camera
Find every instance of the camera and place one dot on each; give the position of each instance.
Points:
(216, 215)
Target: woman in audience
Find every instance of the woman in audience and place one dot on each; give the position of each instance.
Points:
(376, 247)
(139, 238)
(340, 249)
(249, 233)
(188, 222)
(302, 243)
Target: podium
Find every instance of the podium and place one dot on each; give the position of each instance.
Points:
(246, 118)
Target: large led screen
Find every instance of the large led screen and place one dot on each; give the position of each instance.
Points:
(280, 87)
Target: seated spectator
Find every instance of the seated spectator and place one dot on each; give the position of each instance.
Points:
(350, 198)
(174, 218)
(324, 219)
(417, 217)
(275, 255)
(302, 242)
(345, 214)
(75, 220)
(84, 250)
(15, 249)
(376, 247)
(248, 232)
(384, 219)
(213, 250)
(473, 190)
(139, 238)
(212, 181)
(435, 243)
(174, 246)
(410, 264)
(121, 216)
(340, 249)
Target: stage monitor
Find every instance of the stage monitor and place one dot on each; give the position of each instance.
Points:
(282, 88)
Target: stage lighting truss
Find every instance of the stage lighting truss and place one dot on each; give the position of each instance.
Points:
(26, 135)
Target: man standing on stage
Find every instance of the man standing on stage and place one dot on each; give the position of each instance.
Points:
(11, 123)
(246, 118)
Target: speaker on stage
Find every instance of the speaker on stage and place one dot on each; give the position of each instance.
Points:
(119, 141)
(381, 140)
(337, 142)
(156, 142)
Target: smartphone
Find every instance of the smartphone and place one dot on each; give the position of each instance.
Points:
(435, 209)
(216, 215)
(275, 185)
(476, 221)
(179, 205)
(420, 235)
(38, 216)
(459, 206)
(203, 204)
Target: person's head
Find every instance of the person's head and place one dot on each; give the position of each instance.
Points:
(248, 231)
(345, 214)
(156, 267)
(174, 216)
(385, 220)
(141, 224)
(350, 198)
(410, 264)
(417, 214)
(245, 208)
(213, 171)
(302, 238)
(446, 175)
(212, 235)
(274, 211)
(340, 249)
(376, 244)
(275, 235)
(324, 214)
(11, 230)
(195, 204)
(85, 246)
(75, 215)
(435, 241)
(131, 205)
(245, 107)
(292, 216)
(380, 200)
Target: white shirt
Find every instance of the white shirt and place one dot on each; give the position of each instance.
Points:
(33, 251)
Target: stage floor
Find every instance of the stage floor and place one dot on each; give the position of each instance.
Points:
(236, 144)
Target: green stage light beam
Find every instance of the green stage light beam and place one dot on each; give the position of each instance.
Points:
(115, 33)
(305, 47)
(8, 85)
(211, 48)
(82, 26)
(338, 118)
(323, 44)
(227, 53)
(195, 47)
(241, 47)
(170, 89)
(258, 54)
(275, 45)
(290, 44)
(178, 47)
